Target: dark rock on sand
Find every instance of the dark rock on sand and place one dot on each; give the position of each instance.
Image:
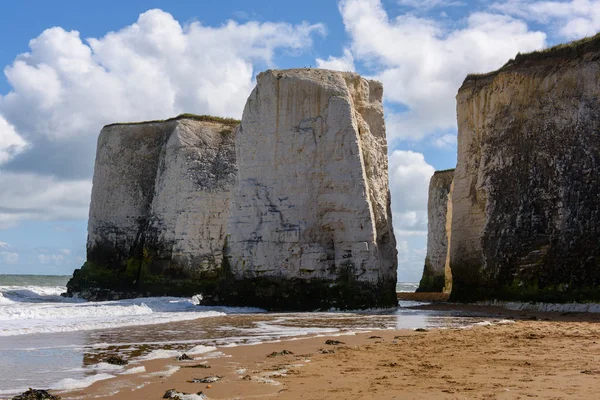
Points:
(36, 394)
(184, 357)
(333, 342)
(174, 394)
(197, 366)
(116, 360)
(326, 351)
(280, 353)
(206, 379)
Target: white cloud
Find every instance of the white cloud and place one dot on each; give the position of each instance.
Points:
(445, 141)
(11, 144)
(343, 63)
(9, 258)
(3, 245)
(428, 4)
(572, 19)
(65, 89)
(422, 63)
(154, 68)
(409, 176)
(56, 259)
(33, 197)
(65, 252)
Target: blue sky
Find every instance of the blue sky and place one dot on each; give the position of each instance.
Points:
(70, 67)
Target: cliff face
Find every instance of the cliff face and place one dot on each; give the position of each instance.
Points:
(289, 210)
(526, 216)
(434, 272)
(160, 203)
(310, 219)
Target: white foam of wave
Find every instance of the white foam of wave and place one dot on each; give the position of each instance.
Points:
(41, 309)
(71, 384)
(15, 294)
(162, 353)
(134, 370)
(21, 317)
(104, 366)
(273, 328)
(166, 373)
(487, 323)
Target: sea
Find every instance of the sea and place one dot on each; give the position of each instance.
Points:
(51, 342)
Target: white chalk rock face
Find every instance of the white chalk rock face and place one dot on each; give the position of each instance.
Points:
(525, 221)
(434, 272)
(312, 201)
(160, 200)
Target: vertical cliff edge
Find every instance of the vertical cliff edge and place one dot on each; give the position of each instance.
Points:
(526, 203)
(439, 201)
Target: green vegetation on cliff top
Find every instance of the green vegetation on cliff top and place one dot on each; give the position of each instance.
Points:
(205, 118)
(567, 50)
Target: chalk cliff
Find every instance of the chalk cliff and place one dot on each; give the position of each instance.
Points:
(434, 272)
(310, 221)
(526, 203)
(288, 210)
(160, 203)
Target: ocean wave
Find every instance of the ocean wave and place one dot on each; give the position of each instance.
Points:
(41, 309)
(34, 294)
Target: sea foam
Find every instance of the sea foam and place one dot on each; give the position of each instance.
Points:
(40, 309)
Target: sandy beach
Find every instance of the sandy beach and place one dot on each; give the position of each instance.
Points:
(516, 355)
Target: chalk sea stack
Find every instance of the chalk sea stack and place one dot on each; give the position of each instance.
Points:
(160, 202)
(525, 201)
(290, 209)
(310, 220)
(436, 274)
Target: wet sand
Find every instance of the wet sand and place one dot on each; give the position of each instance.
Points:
(555, 356)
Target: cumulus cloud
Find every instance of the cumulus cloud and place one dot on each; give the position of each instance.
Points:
(343, 63)
(66, 88)
(409, 176)
(3, 245)
(422, 63)
(56, 259)
(445, 141)
(154, 68)
(428, 4)
(34, 197)
(11, 143)
(9, 258)
(571, 19)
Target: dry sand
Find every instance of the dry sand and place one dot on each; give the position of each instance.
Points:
(556, 356)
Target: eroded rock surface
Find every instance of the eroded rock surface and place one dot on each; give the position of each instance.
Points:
(434, 272)
(526, 217)
(310, 222)
(160, 204)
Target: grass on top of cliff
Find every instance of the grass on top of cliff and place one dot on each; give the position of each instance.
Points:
(567, 50)
(232, 122)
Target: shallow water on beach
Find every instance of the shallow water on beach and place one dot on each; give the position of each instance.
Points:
(54, 343)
